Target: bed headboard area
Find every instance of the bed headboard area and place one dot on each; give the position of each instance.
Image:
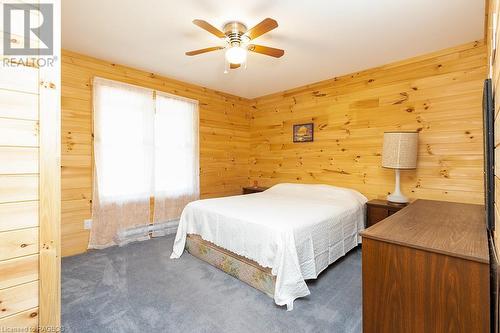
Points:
(439, 95)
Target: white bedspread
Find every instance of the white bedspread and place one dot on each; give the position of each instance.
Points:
(297, 230)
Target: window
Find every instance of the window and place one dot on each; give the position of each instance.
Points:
(144, 146)
(176, 147)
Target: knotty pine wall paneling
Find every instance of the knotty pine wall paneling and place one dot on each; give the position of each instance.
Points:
(30, 187)
(241, 140)
(19, 195)
(224, 138)
(438, 94)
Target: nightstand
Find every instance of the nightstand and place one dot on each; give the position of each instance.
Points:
(377, 210)
(253, 189)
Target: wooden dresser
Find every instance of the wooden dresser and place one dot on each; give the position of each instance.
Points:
(426, 269)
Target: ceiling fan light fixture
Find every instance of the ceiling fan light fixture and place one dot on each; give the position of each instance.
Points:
(237, 38)
(236, 55)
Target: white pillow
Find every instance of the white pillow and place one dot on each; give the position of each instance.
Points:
(318, 191)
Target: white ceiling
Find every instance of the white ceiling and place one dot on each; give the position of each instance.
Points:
(321, 38)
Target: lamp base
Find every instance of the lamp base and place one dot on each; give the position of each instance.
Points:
(397, 198)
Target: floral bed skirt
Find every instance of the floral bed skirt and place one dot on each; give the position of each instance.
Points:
(241, 268)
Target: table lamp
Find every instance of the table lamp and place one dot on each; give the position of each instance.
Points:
(399, 153)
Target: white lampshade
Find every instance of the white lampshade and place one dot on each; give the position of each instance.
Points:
(236, 55)
(400, 150)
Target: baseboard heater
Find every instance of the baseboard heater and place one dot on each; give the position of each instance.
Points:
(141, 233)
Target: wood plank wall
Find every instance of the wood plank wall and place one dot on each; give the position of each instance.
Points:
(224, 138)
(19, 196)
(29, 188)
(438, 94)
(242, 140)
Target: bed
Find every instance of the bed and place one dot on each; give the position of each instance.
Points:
(276, 239)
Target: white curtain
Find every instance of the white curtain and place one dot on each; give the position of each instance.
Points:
(123, 154)
(143, 147)
(176, 180)
(124, 140)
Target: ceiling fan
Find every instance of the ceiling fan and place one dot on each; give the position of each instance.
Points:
(237, 38)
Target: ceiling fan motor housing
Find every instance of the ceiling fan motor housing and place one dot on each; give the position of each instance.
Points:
(234, 32)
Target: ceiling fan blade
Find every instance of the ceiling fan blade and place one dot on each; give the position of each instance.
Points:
(210, 28)
(200, 51)
(270, 51)
(266, 25)
(234, 66)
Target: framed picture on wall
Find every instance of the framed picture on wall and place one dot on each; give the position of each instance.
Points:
(303, 132)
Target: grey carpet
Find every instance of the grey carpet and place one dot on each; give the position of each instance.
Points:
(137, 288)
